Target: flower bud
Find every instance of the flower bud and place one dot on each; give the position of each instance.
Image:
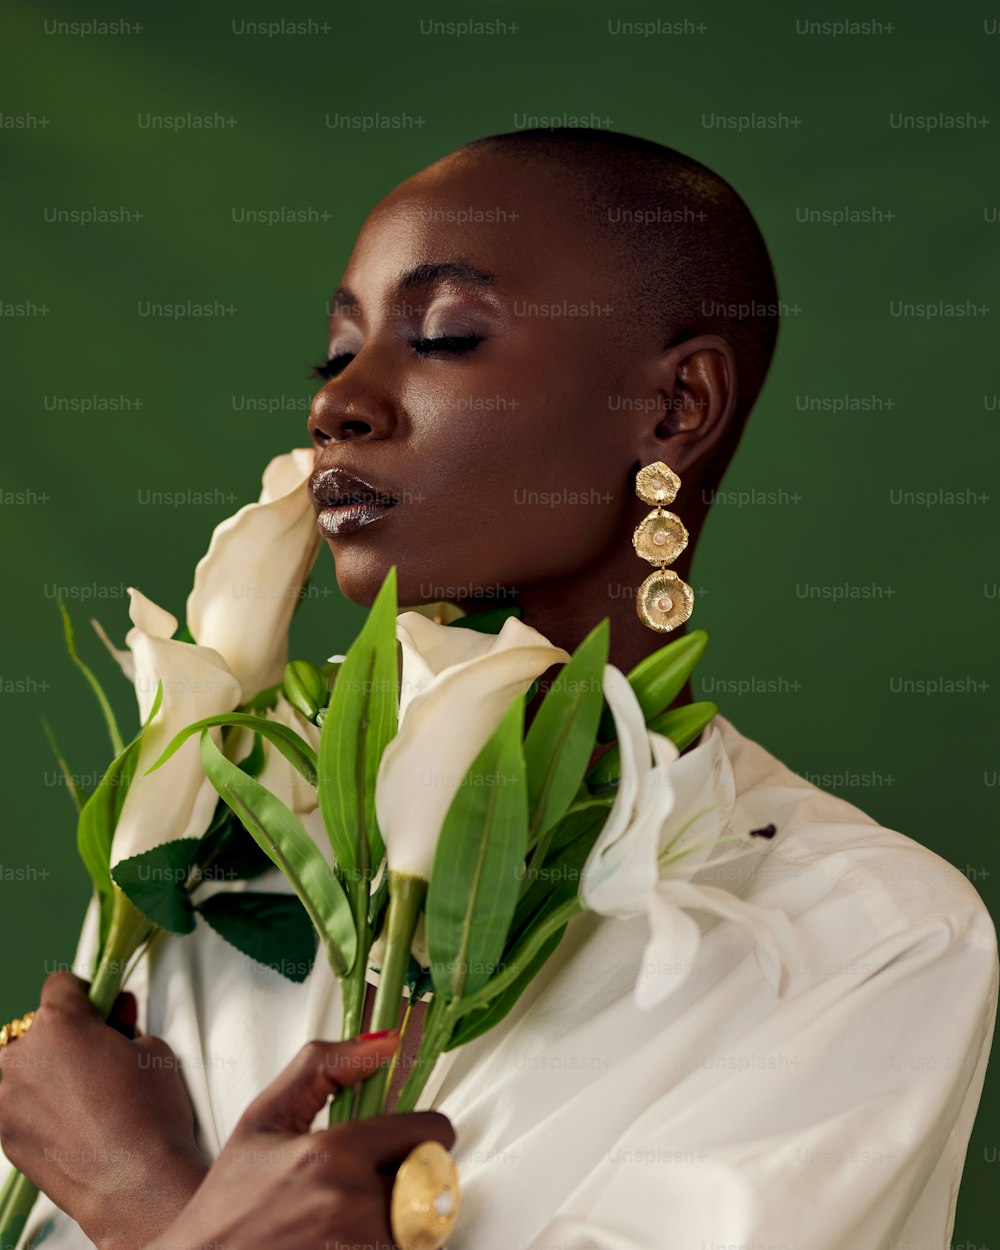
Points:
(305, 688)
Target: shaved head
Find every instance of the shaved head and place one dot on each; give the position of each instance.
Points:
(684, 250)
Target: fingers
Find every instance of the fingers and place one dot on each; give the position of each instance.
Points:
(291, 1102)
(67, 992)
(388, 1139)
(159, 1053)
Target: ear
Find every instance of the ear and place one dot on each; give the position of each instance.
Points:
(696, 385)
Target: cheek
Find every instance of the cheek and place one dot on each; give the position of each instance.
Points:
(513, 473)
(515, 488)
(513, 425)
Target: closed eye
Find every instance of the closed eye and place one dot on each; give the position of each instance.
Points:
(455, 344)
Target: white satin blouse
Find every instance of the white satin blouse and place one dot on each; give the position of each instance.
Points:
(834, 1117)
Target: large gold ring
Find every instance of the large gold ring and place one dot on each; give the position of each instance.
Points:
(16, 1028)
(424, 1204)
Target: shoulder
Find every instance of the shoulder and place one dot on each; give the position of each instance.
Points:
(824, 848)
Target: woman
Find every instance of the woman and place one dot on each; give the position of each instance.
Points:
(521, 327)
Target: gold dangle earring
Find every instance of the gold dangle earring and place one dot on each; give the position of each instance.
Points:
(664, 600)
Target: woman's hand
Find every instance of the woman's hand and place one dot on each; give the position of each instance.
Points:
(99, 1122)
(277, 1183)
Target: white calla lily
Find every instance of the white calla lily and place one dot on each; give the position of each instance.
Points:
(248, 582)
(667, 819)
(177, 800)
(456, 685)
(279, 775)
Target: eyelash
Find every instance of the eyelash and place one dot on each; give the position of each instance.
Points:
(457, 343)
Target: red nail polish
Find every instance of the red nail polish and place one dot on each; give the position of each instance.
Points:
(367, 1037)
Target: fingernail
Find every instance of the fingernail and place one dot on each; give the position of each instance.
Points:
(368, 1037)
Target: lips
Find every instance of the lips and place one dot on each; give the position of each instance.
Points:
(345, 503)
(336, 486)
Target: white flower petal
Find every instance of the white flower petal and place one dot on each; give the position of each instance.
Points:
(178, 799)
(442, 612)
(705, 797)
(621, 868)
(122, 658)
(770, 928)
(461, 682)
(668, 822)
(668, 960)
(428, 649)
(248, 582)
(149, 617)
(284, 474)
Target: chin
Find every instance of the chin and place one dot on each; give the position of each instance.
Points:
(360, 575)
(420, 583)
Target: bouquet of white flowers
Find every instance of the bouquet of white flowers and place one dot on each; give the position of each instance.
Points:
(443, 814)
(460, 846)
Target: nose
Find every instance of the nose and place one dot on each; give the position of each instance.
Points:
(336, 416)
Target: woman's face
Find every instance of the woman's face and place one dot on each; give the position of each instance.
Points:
(507, 446)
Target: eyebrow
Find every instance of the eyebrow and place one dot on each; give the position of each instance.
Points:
(457, 270)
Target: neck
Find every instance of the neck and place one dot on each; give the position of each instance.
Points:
(566, 609)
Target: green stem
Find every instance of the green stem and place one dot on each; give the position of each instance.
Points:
(406, 897)
(16, 1200)
(352, 988)
(72, 788)
(117, 746)
(129, 929)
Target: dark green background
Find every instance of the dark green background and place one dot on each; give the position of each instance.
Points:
(926, 764)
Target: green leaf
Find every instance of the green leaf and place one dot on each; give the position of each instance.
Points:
(227, 851)
(292, 746)
(521, 955)
(273, 929)
(154, 881)
(109, 717)
(680, 724)
(560, 740)
(474, 879)
(281, 835)
(548, 884)
(77, 796)
(484, 1018)
(659, 678)
(683, 724)
(99, 818)
(489, 622)
(359, 722)
(552, 887)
